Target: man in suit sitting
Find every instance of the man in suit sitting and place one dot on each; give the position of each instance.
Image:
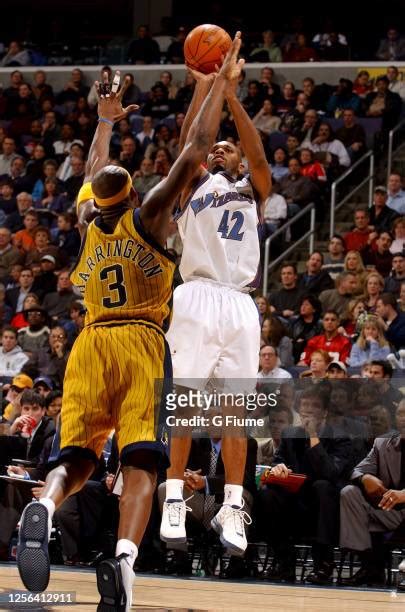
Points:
(323, 453)
(374, 503)
(204, 485)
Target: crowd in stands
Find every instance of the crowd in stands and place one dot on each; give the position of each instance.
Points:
(300, 44)
(343, 318)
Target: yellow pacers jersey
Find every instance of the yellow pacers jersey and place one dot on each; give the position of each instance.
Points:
(124, 275)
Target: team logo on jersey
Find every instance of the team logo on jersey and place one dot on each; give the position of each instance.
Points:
(214, 200)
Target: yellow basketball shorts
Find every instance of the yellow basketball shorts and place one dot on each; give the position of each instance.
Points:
(110, 384)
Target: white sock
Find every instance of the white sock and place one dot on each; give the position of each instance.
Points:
(127, 564)
(233, 495)
(174, 488)
(50, 505)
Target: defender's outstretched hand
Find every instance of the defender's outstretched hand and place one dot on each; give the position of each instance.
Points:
(110, 98)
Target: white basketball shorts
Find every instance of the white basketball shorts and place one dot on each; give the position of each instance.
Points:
(214, 334)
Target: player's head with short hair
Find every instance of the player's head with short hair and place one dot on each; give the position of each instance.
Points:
(225, 156)
(112, 189)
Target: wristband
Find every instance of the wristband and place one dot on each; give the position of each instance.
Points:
(104, 120)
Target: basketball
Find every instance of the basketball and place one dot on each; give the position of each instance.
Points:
(205, 47)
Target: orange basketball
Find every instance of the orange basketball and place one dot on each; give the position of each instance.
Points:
(205, 46)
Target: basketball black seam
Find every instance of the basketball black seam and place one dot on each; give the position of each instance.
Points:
(207, 51)
(198, 44)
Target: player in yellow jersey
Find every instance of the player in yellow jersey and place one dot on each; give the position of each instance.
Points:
(125, 275)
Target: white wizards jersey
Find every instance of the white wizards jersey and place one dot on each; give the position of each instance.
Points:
(219, 229)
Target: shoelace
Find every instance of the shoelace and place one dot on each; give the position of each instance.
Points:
(239, 516)
(177, 510)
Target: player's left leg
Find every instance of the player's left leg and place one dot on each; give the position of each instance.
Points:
(238, 368)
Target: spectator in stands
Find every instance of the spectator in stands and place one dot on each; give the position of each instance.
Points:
(372, 504)
(51, 360)
(53, 403)
(18, 321)
(45, 281)
(301, 51)
(337, 345)
(395, 85)
(324, 39)
(75, 181)
(381, 372)
(9, 255)
(358, 237)
(269, 364)
(392, 47)
(324, 454)
(263, 306)
(51, 203)
(268, 51)
(159, 105)
(318, 366)
(312, 168)
(336, 51)
(42, 246)
(7, 155)
(387, 310)
(166, 77)
(378, 254)
(35, 335)
(383, 103)
(16, 55)
(270, 88)
(67, 236)
(144, 50)
(306, 325)
(315, 280)
(310, 127)
(43, 385)
(15, 297)
(61, 147)
(280, 417)
(145, 178)
(57, 304)
(292, 146)
(336, 370)
(352, 135)
(175, 52)
(337, 299)
(266, 122)
(279, 166)
(362, 84)
(7, 201)
(6, 313)
(342, 98)
(74, 89)
(254, 100)
(373, 287)
(288, 99)
(396, 195)
(298, 190)
(354, 264)
(317, 95)
(274, 333)
(371, 343)
(132, 93)
(275, 212)
(337, 158)
(398, 229)
(51, 131)
(41, 89)
(146, 136)
(394, 281)
(162, 161)
(353, 319)
(24, 239)
(185, 94)
(381, 216)
(12, 357)
(294, 119)
(401, 301)
(285, 302)
(18, 176)
(334, 258)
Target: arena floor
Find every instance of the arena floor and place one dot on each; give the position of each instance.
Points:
(173, 595)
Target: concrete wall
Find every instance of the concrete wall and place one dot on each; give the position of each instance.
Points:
(146, 76)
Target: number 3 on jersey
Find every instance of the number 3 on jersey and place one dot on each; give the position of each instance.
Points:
(115, 275)
(234, 232)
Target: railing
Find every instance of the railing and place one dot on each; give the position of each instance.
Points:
(310, 208)
(334, 204)
(391, 150)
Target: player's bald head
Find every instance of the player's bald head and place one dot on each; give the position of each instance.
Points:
(109, 181)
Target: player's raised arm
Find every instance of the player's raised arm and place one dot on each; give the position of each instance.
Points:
(158, 204)
(251, 144)
(202, 88)
(110, 111)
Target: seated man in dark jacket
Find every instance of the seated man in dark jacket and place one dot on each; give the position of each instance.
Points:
(324, 454)
(374, 503)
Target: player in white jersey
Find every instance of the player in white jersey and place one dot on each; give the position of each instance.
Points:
(215, 332)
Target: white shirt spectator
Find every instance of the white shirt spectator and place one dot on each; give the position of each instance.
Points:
(396, 201)
(5, 163)
(275, 208)
(274, 373)
(142, 135)
(11, 362)
(336, 147)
